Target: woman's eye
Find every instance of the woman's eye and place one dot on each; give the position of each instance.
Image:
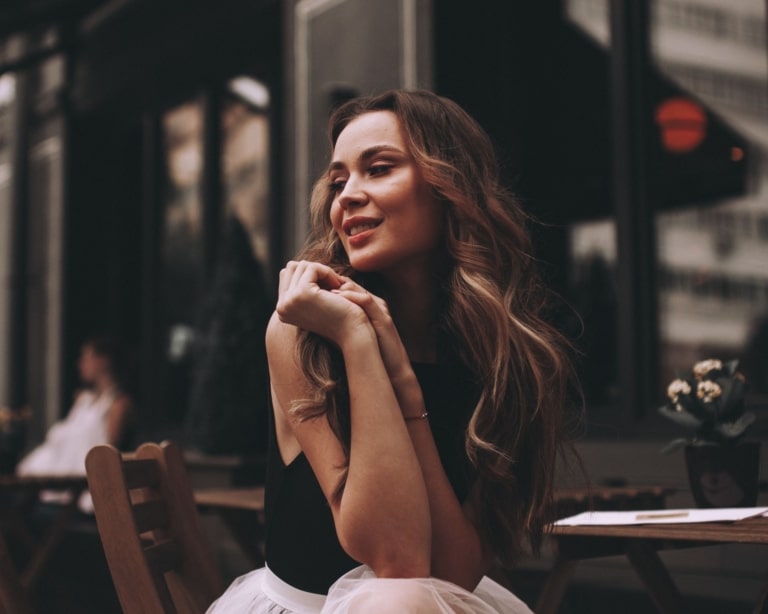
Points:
(379, 169)
(337, 185)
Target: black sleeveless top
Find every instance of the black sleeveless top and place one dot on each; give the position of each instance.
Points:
(301, 544)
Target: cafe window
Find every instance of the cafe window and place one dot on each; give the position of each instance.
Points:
(216, 189)
(181, 249)
(705, 139)
(713, 283)
(245, 161)
(591, 290)
(7, 123)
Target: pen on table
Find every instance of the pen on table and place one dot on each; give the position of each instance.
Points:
(660, 515)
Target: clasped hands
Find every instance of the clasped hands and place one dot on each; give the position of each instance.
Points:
(314, 297)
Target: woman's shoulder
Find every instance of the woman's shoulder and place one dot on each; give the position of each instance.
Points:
(122, 400)
(82, 395)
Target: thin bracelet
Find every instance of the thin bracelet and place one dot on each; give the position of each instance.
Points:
(421, 417)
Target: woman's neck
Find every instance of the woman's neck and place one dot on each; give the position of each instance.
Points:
(103, 384)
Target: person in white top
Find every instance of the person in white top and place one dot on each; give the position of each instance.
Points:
(102, 413)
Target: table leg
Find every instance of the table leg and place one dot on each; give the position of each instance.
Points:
(762, 602)
(655, 577)
(13, 597)
(49, 543)
(554, 587)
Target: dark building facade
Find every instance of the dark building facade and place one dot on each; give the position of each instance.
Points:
(156, 159)
(131, 131)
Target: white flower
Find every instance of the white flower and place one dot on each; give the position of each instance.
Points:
(708, 391)
(676, 388)
(700, 369)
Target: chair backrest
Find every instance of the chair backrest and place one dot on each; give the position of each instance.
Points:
(157, 553)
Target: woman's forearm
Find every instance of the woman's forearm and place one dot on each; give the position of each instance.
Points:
(457, 552)
(384, 513)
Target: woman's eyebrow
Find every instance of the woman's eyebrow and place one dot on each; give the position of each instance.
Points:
(366, 155)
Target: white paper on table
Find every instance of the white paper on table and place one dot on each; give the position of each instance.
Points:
(672, 516)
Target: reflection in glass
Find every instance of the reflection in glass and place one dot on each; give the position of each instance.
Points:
(245, 166)
(182, 230)
(713, 282)
(591, 290)
(182, 246)
(7, 121)
(711, 249)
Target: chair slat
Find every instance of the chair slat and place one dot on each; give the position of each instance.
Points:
(148, 492)
(163, 556)
(141, 473)
(151, 515)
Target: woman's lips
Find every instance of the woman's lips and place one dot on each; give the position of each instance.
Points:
(360, 234)
(359, 229)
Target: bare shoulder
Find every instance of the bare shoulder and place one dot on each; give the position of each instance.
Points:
(126, 402)
(122, 403)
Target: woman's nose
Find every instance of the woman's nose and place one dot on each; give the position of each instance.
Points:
(353, 194)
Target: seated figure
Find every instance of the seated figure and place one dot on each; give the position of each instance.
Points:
(102, 413)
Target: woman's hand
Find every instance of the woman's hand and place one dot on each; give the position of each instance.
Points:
(391, 346)
(307, 298)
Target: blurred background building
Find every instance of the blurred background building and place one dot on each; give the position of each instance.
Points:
(132, 130)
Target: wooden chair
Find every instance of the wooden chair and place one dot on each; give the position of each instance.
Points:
(145, 511)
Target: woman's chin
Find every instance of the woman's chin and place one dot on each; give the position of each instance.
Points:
(365, 263)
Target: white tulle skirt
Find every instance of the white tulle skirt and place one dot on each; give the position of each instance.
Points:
(360, 591)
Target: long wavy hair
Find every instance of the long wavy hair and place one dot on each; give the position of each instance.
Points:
(491, 314)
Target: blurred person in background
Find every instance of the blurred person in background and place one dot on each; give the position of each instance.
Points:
(102, 412)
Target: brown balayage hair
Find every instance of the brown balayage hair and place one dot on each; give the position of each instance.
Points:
(492, 314)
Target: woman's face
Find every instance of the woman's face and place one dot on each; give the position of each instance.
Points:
(91, 365)
(385, 214)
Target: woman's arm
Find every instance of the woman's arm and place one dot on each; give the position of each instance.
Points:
(382, 517)
(458, 554)
(118, 419)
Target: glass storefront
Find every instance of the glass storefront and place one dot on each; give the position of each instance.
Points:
(707, 87)
(245, 161)
(7, 98)
(713, 279)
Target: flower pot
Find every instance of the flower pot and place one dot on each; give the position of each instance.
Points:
(723, 476)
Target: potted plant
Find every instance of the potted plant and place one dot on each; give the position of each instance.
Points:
(722, 468)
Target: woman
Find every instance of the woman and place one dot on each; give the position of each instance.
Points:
(417, 392)
(102, 413)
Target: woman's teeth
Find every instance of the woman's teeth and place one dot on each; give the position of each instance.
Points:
(361, 228)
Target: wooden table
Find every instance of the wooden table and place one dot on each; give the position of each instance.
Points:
(242, 510)
(640, 544)
(18, 496)
(571, 501)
